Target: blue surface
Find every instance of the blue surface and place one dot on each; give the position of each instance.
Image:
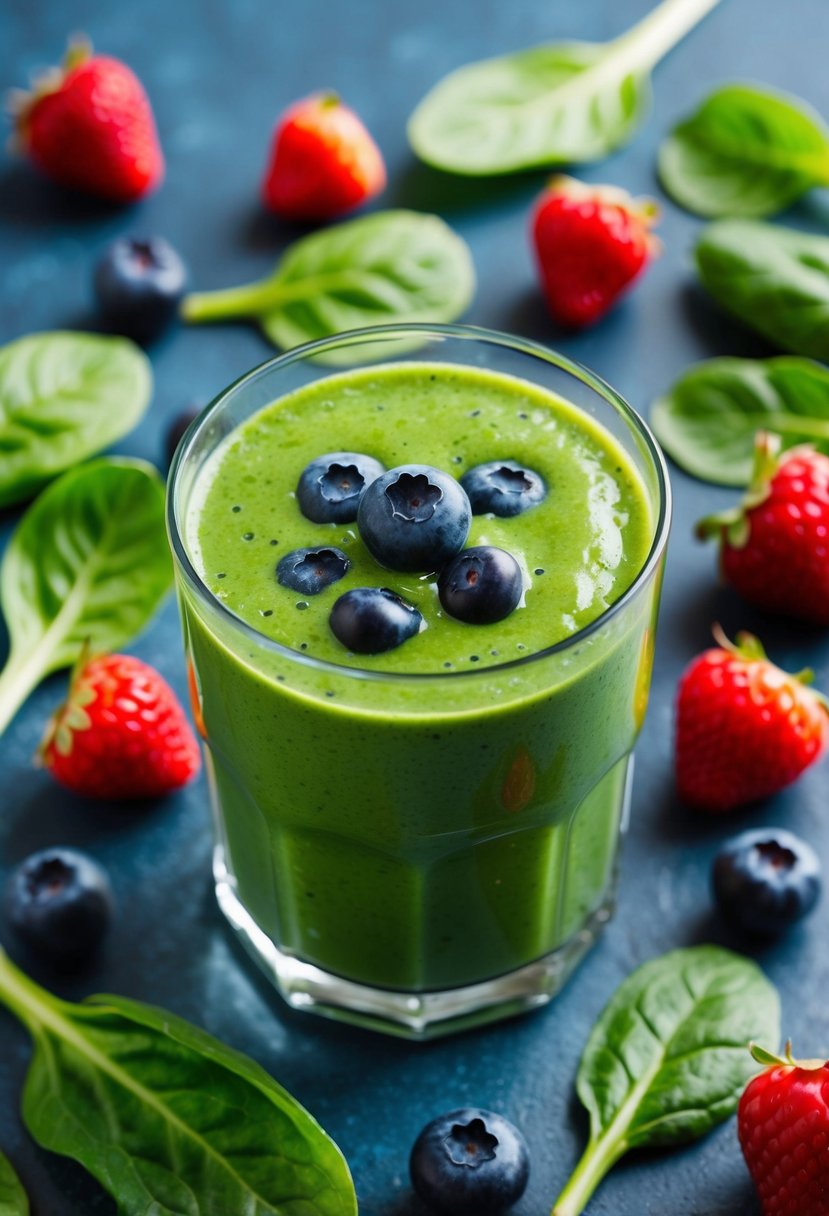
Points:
(218, 73)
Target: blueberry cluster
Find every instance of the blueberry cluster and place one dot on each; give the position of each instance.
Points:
(411, 518)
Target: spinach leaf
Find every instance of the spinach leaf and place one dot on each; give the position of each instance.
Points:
(168, 1119)
(707, 421)
(88, 562)
(746, 151)
(13, 1201)
(667, 1060)
(392, 266)
(558, 104)
(774, 279)
(63, 397)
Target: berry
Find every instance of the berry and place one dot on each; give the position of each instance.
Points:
(774, 547)
(414, 518)
(481, 585)
(121, 734)
(138, 286)
(470, 1162)
(60, 903)
(89, 126)
(176, 429)
(766, 880)
(310, 571)
(744, 728)
(503, 488)
(371, 620)
(323, 162)
(590, 243)
(329, 488)
(783, 1125)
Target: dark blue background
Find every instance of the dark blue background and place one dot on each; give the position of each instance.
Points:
(218, 72)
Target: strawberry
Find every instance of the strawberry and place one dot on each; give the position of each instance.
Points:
(121, 734)
(590, 243)
(774, 547)
(323, 161)
(89, 126)
(744, 728)
(783, 1125)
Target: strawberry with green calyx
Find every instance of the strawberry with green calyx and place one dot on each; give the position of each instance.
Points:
(121, 734)
(590, 243)
(774, 546)
(88, 125)
(783, 1127)
(744, 728)
(322, 163)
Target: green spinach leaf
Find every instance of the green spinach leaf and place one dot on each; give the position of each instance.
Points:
(13, 1201)
(746, 151)
(667, 1060)
(707, 421)
(63, 397)
(88, 562)
(559, 104)
(774, 279)
(393, 266)
(168, 1119)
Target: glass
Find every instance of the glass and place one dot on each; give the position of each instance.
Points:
(471, 887)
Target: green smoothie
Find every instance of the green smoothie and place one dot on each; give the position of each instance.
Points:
(448, 811)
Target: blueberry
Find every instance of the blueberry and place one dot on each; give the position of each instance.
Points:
(765, 880)
(414, 518)
(309, 571)
(175, 431)
(60, 903)
(481, 585)
(503, 487)
(138, 286)
(370, 620)
(329, 487)
(471, 1162)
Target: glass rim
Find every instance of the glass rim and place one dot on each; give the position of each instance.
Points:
(403, 330)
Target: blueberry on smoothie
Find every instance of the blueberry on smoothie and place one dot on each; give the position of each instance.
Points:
(470, 1162)
(139, 285)
(503, 488)
(59, 901)
(310, 571)
(414, 518)
(371, 620)
(481, 585)
(330, 487)
(766, 879)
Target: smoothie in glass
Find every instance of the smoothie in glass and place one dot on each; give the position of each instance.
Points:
(425, 837)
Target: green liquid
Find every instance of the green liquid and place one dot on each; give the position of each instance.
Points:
(432, 831)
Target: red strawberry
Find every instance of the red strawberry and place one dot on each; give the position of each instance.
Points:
(323, 161)
(121, 734)
(774, 547)
(88, 125)
(590, 243)
(783, 1125)
(744, 728)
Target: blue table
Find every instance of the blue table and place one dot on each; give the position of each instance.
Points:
(218, 73)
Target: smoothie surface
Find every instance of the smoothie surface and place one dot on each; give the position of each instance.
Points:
(579, 549)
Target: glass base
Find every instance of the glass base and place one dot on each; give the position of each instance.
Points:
(422, 1015)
